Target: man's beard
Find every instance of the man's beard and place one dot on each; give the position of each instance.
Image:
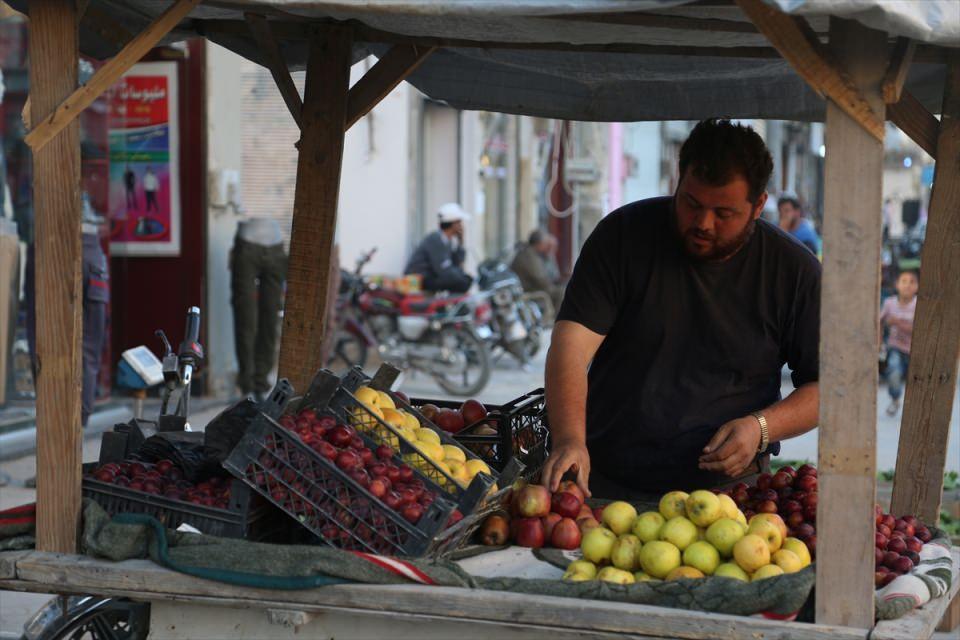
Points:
(718, 252)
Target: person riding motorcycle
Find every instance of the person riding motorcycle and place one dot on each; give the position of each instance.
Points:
(439, 257)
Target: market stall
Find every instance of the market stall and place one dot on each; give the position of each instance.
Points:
(601, 60)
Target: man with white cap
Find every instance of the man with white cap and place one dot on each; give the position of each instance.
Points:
(439, 257)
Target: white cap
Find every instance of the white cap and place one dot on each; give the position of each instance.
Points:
(452, 212)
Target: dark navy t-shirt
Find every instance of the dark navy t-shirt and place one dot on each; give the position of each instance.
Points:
(689, 345)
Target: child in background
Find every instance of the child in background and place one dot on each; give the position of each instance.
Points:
(897, 314)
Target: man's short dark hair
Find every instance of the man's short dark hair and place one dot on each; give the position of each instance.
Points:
(717, 150)
(790, 200)
(536, 237)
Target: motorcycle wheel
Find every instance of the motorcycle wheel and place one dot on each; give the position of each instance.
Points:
(348, 351)
(89, 618)
(476, 371)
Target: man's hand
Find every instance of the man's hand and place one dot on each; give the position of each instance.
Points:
(733, 447)
(570, 456)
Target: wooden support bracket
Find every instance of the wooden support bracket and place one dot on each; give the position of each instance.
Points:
(398, 63)
(273, 58)
(896, 75)
(798, 45)
(916, 121)
(108, 74)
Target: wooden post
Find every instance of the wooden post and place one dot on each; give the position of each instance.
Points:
(932, 379)
(315, 204)
(848, 339)
(54, 58)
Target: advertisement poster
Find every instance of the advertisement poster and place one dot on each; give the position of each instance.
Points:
(144, 153)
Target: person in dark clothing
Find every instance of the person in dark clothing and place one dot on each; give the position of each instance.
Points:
(664, 367)
(439, 257)
(534, 264)
(130, 185)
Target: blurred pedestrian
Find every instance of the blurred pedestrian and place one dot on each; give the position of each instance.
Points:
(535, 265)
(439, 257)
(897, 315)
(793, 222)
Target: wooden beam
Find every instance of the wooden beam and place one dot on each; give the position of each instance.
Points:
(932, 379)
(273, 57)
(54, 61)
(792, 38)
(108, 74)
(916, 121)
(390, 70)
(848, 340)
(315, 204)
(900, 60)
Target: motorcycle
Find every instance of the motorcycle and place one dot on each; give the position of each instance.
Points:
(516, 325)
(435, 334)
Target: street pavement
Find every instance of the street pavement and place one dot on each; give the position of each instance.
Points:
(507, 382)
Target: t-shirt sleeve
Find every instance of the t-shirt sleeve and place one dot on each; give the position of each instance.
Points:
(595, 290)
(803, 344)
(885, 309)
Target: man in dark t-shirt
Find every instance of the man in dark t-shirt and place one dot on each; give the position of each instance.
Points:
(664, 366)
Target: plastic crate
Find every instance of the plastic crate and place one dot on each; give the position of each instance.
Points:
(248, 516)
(326, 501)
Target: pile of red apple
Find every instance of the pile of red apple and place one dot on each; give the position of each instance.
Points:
(538, 519)
(455, 420)
(791, 493)
(898, 544)
(164, 478)
(379, 471)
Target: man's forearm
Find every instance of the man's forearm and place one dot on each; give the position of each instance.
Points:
(566, 396)
(794, 415)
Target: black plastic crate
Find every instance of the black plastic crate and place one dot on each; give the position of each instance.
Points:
(248, 516)
(326, 501)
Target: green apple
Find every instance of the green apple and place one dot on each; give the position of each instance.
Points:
(731, 570)
(618, 516)
(658, 558)
(580, 570)
(723, 534)
(787, 560)
(625, 552)
(640, 576)
(673, 504)
(617, 576)
(679, 532)
(729, 507)
(768, 531)
(751, 552)
(647, 526)
(703, 508)
(799, 548)
(702, 556)
(597, 544)
(766, 571)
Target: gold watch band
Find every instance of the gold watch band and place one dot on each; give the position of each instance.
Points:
(764, 432)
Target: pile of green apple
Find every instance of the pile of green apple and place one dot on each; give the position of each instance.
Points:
(690, 536)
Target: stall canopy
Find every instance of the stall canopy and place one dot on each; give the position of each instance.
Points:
(604, 60)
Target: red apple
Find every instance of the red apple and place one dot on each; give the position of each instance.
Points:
(804, 530)
(810, 513)
(392, 500)
(347, 460)
(910, 520)
(429, 411)
(780, 480)
(879, 576)
(795, 519)
(914, 544)
(924, 534)
(902, 565)
(785, 493)
(572, 487)
(495, 530)
(566, 504)
(384, 452)
(598, 513)
(768, 494)
(806, 483)
(767, 506)
(360, 476)
(807, 470)
(763, 481)
(412, 513)
(792, 506)
(406, 473)
(566, 535)
(533, 501)
(530, 533)
(904, 526)
(378, 487)
(878, 557)
(881, 541)
(449, 420)
(377, 469)
(890, 521)
(549, 522)
(472, 411)
(104, 475)
(393, 473)
(585, 524)
(889, 558)
(366, 455)
(913, 555)
(884, 529)
(897, 545)
(789, 470)
(340, 436)
(898, 534)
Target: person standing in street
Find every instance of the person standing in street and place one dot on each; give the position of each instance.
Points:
(897, 315)
(793, 222)
(439, 257)
(533, 263)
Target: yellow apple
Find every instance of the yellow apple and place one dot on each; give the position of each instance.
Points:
(679, 532)
(768, 531)
(393, 418)
(453, 452)
(723, 534)
(579, 570)
(658, 558)
(640, 576)
(701, 556)
(742, 519)
(427, 435)
(729, 507)
(731, 570)
(684, 572)
(647, 526)
(477, 466)
(673, 504)
(751, 552)
(703, 508)
(799, 548)
(597, 545)
(773, 519)
(766, 571)
(625, 551)
(367, 396)
(788, 561)
(410, 421)
(616, 576)
(618, 516)
(432, 450)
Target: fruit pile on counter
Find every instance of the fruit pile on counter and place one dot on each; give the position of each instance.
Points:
(898, 545)
(164, 478)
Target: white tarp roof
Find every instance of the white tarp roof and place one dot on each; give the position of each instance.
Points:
(580, 85)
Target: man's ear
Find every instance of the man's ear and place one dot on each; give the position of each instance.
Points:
(758, 208)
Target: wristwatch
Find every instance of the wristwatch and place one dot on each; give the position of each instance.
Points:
(764, 432)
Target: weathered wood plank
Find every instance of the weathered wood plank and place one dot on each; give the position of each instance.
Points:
(810, 60)
(916, 121)
(390, 70)
(900, 61)
(54, 59)
(144, 580)
(315, 204)
(920, 624)
(72, 105)
(848, 340)
(932, 379)
(273, 57)
(8, 563)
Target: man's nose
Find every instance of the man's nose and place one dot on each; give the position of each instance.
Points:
(705, 220)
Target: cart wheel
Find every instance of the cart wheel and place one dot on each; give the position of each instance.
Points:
(89, 618)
